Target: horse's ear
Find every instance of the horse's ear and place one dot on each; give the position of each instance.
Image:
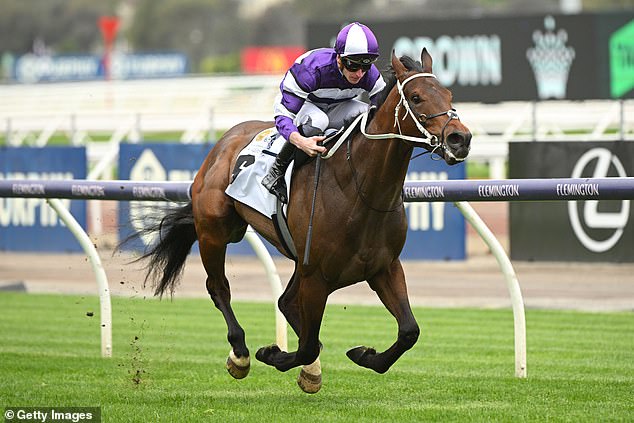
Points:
(398, 67)
(425, 59)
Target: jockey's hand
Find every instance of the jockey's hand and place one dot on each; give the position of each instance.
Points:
(308, 144)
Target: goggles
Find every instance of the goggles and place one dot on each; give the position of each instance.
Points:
(354, 65)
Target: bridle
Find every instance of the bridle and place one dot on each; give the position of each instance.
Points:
(428, 139)
(420, 119)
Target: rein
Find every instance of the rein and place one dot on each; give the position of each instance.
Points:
(358, 185)
(427, 139)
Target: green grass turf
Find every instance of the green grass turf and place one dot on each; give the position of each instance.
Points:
(168, 364)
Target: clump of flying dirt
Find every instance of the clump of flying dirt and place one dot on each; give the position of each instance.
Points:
(137, 370)
(137, 361)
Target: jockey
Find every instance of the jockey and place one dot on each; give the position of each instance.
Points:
(320, 91)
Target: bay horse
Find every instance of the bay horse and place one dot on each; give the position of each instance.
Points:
(359, 216)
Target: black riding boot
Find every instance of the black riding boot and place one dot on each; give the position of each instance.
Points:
(274, 180)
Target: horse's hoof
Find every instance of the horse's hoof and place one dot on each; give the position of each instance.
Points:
(265, 354)
(360, 355)
(238, 367)
(311, 384)
(309, 378)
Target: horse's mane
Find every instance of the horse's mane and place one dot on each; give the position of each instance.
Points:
(390, 77)
(390, 80)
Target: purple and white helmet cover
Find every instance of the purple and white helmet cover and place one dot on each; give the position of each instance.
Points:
(356, 39)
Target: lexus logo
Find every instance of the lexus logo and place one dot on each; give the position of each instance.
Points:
(598, 230)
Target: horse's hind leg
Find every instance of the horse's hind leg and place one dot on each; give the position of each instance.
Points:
(213, 258)
(391, 289)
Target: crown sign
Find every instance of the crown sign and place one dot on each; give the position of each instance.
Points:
(550, 60)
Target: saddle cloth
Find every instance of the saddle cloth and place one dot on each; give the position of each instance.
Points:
(255, 160)
(252, 165)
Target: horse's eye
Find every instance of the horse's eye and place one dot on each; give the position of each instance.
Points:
(416, 99)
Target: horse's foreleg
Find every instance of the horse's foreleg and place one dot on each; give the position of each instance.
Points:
(309, 378)
(311, 298)
(288, 304)
(238, 362)
(391, 289)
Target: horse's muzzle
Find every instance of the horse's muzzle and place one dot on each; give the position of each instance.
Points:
(459, 144)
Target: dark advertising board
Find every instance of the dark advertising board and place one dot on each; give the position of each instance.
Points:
(588, 231)
(572, 57)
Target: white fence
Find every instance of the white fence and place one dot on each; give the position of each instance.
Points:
(32, 113)
(193, 108)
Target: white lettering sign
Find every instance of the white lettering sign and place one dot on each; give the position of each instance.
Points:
(427, 216)
(462, 60)
(506, 190)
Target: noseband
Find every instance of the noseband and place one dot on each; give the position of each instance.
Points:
(420, 119)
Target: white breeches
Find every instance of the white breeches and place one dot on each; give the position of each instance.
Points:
(324, 117)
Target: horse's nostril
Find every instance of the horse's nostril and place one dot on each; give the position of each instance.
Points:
(467, 139)
(459, 139)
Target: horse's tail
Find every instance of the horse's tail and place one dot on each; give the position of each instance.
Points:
(176, 235)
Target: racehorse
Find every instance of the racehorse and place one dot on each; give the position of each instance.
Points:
(359, 216)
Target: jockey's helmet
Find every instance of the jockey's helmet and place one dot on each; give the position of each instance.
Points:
(357, 40)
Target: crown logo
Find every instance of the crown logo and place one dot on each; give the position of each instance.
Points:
(550, 60)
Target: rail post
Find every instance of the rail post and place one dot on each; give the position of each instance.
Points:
(105, 314)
